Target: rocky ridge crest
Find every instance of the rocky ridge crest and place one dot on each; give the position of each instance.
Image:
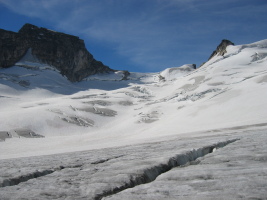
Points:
(221, 48)
(66, 53)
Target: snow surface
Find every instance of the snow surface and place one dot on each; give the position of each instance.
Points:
(104, 112)
(235, 171)
(191, 108)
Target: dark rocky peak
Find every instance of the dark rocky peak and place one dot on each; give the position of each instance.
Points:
(35, 33)
(65, 52)
(221, 48)
(7, 34)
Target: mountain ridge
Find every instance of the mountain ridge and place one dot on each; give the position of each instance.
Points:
(65, 52)
(103, 108)
(221, 48)
(137, 138)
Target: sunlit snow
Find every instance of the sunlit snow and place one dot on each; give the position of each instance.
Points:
(42, 113)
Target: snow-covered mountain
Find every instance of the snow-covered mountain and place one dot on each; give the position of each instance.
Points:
(182, 133)
(105, 111)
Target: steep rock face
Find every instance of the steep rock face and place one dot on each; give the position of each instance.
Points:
(12, 48)
(221, 48)
(65, 52)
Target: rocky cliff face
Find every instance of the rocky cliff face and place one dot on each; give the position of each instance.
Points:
(65, 52)
(221, 48)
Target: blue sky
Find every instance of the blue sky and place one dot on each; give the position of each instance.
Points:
(144, 35)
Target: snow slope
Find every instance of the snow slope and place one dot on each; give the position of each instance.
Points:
(105, 111)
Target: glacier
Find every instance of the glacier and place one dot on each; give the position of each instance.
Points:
(105, 137)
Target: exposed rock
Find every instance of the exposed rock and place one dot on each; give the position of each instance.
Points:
(221, 48)
(12, 48)
(161, 78)
(125, 75)
(4, 135)
(65, 52)
(27, 133)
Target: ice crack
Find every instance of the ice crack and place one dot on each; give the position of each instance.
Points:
(150, 174)
(23, 178)
(105, 160)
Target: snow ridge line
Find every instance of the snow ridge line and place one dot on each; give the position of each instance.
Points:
(33, 175)
(150, 174)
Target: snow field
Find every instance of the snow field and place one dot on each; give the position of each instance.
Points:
(225, 92)
(104, 135)
(234, 168)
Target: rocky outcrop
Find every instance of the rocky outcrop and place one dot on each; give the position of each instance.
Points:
(65, 52)
(125, 75)
(12, 48)
(221, 48)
